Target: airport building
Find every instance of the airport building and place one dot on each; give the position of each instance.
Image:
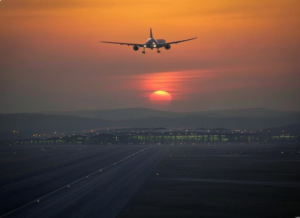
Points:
(159, 136)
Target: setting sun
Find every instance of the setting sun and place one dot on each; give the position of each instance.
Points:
(160, 97)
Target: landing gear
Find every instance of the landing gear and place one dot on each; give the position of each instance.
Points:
(143, 51)
(158, 51)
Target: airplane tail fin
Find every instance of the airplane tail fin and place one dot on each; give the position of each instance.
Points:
(151, 36)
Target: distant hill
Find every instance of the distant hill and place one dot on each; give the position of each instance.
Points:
(136, 113)
(29, 124)
(193, 122)
(292, 129)
(79, 121)
(116, 114)
(251, 112)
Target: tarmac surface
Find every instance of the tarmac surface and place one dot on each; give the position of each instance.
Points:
(233, 180)
(224, 180)
(72, 181)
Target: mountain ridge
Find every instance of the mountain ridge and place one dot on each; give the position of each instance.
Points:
(128, 113)
(29, 124)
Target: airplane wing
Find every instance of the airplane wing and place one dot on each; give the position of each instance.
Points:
(124, 43)
(175, 42)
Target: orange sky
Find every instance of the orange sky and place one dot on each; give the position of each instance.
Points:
(51, 55)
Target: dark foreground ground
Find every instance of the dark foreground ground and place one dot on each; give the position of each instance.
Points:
(228, 180)
(241, 180)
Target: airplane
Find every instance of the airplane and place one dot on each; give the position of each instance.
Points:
(151, 43)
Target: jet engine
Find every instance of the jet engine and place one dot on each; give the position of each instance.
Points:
(135, 47)
(167, 46)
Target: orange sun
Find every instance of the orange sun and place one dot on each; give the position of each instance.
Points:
(160, 97)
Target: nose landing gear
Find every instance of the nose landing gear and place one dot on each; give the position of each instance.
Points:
(158, 51)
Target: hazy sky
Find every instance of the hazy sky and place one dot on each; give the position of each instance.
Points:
(247, 54)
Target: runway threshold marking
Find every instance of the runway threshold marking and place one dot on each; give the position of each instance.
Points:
(69, 185)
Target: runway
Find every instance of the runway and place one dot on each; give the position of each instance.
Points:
(236, 181)
(96, 187)
(259, 183)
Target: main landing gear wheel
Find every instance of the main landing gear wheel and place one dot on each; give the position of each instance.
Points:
(143, 52)
(158, 51)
